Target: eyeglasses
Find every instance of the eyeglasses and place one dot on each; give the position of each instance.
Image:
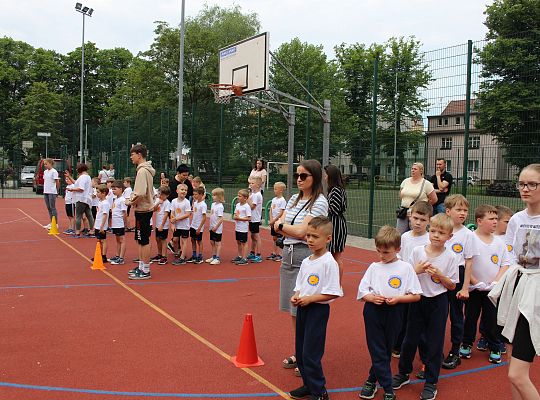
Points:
(528, 185)
(303, 176)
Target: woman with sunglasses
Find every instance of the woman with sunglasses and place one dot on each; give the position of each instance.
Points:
(301, 208)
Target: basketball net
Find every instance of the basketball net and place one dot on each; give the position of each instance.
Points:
(224, 92)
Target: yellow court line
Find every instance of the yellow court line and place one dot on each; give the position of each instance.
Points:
(185, 328)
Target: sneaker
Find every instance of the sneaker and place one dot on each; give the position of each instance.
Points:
(162, 261)
(396, 353)
(271, 256)
(170, 247)
(400, 380)
(278, 258)
(133, 271)
(235, 259)
(323, 396)
(68, 232)
(368, 390)
(191, 259)
(421, 374)
(495, 356)
(503, 348)
(300, 393)
(242, 261)
(215, 261)
(198, 260)
(256, 259)
(465, 351)
(452, 361)
(140, 274)
(209, 260)
(389, 396)
(251, 256)
(482, 344)
(113, 259)
(156, 258)
(75, 236)
(136, 260)
(179, 261)
(117, 261)
(48, 226)
(429, 392)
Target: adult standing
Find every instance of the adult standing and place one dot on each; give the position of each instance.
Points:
(182, 174)
(111, 171)
(258, 170)
(103, 175)
(301, 208)
(82, 197)
(337, 205)
(51, 184)
(412, 190)
(142, 201)
(442, 182)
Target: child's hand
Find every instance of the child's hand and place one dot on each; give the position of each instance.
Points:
(304, 301)
(375, 298)
(198, 231)
(463, 294)
(391, 301)
(101, 231)
(421, 267)
(294, 300)
(160, 229)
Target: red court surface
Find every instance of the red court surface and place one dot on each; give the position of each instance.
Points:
(68, 332)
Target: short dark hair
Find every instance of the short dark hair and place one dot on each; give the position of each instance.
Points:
(321, 222)
(182, 168)
(139, 149)
(102, 189)
(82, 168)
(422, 208)
(199, 190)
(118, 184)
(165, 190)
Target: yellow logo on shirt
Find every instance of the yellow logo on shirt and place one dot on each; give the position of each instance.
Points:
(394, 282)
(457, 248)
(313, 279)
(436, 280)
(509, 247)
(495, 259)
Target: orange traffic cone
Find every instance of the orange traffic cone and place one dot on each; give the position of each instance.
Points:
(247, 350)
(98, 261)
(54, 228)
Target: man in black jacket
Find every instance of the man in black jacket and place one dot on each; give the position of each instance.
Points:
(442, 182)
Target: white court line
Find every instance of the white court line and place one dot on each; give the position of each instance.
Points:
(15, 220)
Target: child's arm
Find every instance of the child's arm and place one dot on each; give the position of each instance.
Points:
(218, 223)
(125, 218)
(106, 216)
(406, 298)
(463, 294)
(374, 298)
(165, 216)
(272, 220)
(201, 225)
(437, 273)
(315, 298)
(501, 272)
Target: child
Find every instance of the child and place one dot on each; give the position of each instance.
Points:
(110, 199)
(196, 228)
(51, 184)
(487, 267)
(180, 213)
(118, 222)
(503, 216)
(102, 219)
(127, 194)
(463, 245)
(255, 201)
(386, 288)
(517, 292)
(162, 209)
(95, 199)
(437, 269)
(197, 182)
(276, 211)
(242, 216)
(317, 284)
(70, 208)
(418, 236)
(216, 225)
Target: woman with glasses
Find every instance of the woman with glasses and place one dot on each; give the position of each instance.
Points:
(301, 208)
(518, 291)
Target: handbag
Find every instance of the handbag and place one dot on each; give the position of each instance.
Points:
(401, 212)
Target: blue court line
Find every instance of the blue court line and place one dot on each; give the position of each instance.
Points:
(218, 395)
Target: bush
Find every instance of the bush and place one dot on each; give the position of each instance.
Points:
(502, 189)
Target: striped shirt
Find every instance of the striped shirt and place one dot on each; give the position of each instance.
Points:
(319, 208)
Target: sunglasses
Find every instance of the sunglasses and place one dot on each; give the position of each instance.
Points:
(303, 176)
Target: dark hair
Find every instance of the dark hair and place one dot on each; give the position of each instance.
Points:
(315, 169)
(335, 179)
(139, 149)
(102, 189)
(82, 168)
(255, 163)
(165, 190)
(199, 190)
(422, 208)
(182, 168)
(118, 184)
(321, 222)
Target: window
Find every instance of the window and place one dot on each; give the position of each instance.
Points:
(474, 142)
(449, 165)
(342, 168)
(446, 143)
(389, 169)
(439, 122)
(351, 169)
(472, 165)
(458, 120)
(446, 121)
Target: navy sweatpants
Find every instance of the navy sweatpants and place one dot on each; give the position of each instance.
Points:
(383, 324)
(479, 302)
(311, 322)
(427, 316)
(457, 314)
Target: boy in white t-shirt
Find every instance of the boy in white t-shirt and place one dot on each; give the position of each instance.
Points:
(216, 225)
(162, 210)
(70, 208)
(437, 270)
(196, 228)
(102, 220)
(276, 211)
(180, 213)
(386, 287)
(487, 268)
(118, 222)
(255, 201)
(51, 184)
(127, 194)
(317, 284)
(242, 216)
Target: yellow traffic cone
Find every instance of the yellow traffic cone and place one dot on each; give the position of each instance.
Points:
(98, 261)
(54, 228)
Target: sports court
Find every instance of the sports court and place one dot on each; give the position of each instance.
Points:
(69, 332)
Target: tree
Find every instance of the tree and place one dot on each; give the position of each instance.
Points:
(508, 103)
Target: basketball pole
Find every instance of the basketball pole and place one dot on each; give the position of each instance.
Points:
(181, 87)
(291, 120)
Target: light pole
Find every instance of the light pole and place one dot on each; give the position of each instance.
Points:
(84, 11)
(179, 144)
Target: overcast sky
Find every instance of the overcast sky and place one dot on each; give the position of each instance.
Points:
(54, 24)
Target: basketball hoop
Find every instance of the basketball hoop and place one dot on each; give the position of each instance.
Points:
(223, 92)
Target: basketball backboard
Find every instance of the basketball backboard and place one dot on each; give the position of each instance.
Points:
(246, 64)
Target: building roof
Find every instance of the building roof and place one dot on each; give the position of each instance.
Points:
(456, 107)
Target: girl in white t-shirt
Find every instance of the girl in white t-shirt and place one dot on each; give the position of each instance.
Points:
(216, 225)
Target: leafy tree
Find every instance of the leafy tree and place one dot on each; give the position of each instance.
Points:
(509, 98)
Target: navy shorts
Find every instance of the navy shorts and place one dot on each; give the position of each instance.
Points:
(99, 235)
(69, 210)
(119, 231)
(163, 234)
(142, 227)
(184, 233)
(193, 234)
(215, 237)
(254, 227)
(241, 237)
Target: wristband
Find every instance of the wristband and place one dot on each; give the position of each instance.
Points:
(280, 227)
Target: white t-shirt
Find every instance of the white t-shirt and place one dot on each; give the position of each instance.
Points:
(319, 276)
(409, 242)
(389, 280)
(446, 262)
(110, 197)
(256, 213)
(216, 212)
(164, 207)
(127, 192)
(409, 191)
(523, 239)
(199, 209)
(278, 204)
(243, 211)
(462, 244)
(84, 182)
(491, 257)
(180, 207)
(118, 209)
(102, 213)
(103, 175)
(50, 176)
(69, 196)
(95, 199)
(319, 208)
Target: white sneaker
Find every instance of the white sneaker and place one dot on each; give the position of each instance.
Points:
(215, 261)
(209, 260)
(48, 226)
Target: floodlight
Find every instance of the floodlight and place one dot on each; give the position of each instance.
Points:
(85, 9)
(78, 6)
(90, 12)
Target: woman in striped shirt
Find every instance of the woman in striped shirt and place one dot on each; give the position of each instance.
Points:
(337, 205)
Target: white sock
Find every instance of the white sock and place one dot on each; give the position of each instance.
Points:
(145, 267)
